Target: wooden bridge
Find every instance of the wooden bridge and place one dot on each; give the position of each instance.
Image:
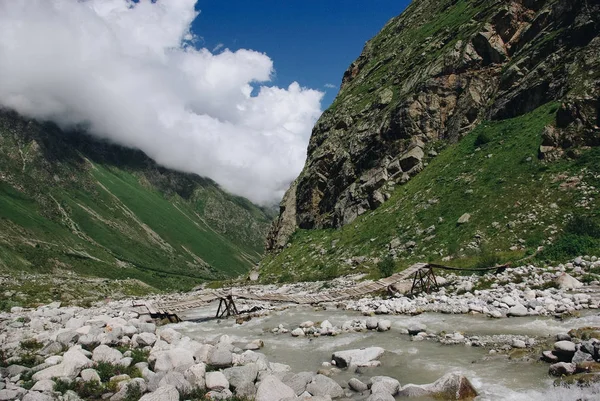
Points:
(424, 280)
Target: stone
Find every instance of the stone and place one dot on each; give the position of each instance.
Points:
(89, 375)
(166, 393)
(145, 339)
(411, 158)
(216, 381)
(452, 386)
(356, 385)
(562, 369)
(384, 384)
(104, 353)
(74, 361)
(565, 347)
(357, 357)
(371, 323)
(464, 219)
(43, 386)
(195, 375)
(567, 282)
(299, 381)
(518, 344)
(220, 357)
(297, 332)
(415, 329)
(176, 379)
(273, 389)
(381, 397)
(169, 335)
(178, 359)
(549, 356)
(384, 325)
(35, 396)
(324, 386)
(240, 375)
(518, 311)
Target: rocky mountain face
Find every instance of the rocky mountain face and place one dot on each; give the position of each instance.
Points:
(428, 79)
(72, 203)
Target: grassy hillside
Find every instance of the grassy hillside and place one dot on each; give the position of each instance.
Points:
(516, 202)
(69, 202)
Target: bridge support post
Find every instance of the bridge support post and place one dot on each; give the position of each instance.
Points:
(226, 307)
(424, 281)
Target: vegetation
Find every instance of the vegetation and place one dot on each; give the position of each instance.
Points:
(386, 267)
(517, 203)
(69, 202)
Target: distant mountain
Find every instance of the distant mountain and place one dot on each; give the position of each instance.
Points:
(71, 202)
(464, 126)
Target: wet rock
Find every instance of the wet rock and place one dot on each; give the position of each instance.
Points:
(324, 386)
(415, 329)
(384, 384)
(549, 356)
(357, 357)
(581, 356)
(452, 386)
(357, 385)
(384, 325)
(562, 369)
(371, 323)
(298, 332)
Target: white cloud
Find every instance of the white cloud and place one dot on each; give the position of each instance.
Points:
(121, 68)
(330, 86)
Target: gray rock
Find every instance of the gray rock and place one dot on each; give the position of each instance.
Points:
(166, 393)
(452, 386)
(195, 375)
(240, 375)
(581, 356)
(221, 357)
(89, 375)
(145, 339)
(464, 219)
(518, 344)
(518, 311)
(384, 325)
(177, 380)
(12, 394)
(298, 332)
(298, 382)
(567, 282)
(73, 362)
(324, 386)
(104, 353)
(124, 388)
(272, 389)
(67, 337)
(246, 390)
(169, 335)
(44, 386)
(51, 349)
(563, 337)
(562, 369)
(384, 384)
(357, 357)
(178, 359)
(371, 323)
(565, 347)
(357, 385)
(415, 329)
(35, 396)
(216, 381)
(380, 397)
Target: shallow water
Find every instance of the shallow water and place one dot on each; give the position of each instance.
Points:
(419, 362)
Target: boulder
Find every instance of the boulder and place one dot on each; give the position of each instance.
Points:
(562, 369)
(73, 362)
(416, 328)
(89, 375)
(145, 339)
(381, 397)
(384, 325)
(371, 323)
(452, 386)
(324, 386)
(298, 332)
(357, 385)
(195, 375)
(384, 384)
(166, 393)
(169, 335)
(104, 353)
(567, 282)
(220, 357)
(175, 359)
(240, 375)
(299, 381)
(44, 386)
(35, 396)
(357, 357)
(177, 380)
(581, 356)
(518, 311)
(464, 219)
(411, 158)
(216, 381)
(272, 389)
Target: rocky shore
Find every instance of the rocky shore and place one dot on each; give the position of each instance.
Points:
(110, 351)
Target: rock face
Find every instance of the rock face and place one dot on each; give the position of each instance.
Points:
(423, 81)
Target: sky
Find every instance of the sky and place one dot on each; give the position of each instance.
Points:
(228, 90)
(311, 41)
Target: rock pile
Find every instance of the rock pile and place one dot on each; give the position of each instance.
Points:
(576, 354)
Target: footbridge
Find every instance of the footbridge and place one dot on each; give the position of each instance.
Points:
(423, 280)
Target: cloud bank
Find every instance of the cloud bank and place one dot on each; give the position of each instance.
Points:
(131, 73)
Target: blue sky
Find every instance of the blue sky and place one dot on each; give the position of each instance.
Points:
(310, 41)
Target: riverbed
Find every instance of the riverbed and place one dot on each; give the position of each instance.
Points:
(495, 376)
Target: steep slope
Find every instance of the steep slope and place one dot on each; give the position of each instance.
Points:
(69, 202)
(436, 98)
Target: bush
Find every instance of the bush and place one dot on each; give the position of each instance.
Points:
(386, 267)
(487, 258)
(482, 139)
(583, 226)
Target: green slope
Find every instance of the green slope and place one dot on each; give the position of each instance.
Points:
(69, 202)
(516, 201)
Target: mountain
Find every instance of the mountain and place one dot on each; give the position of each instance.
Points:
(465, 127)
(71, 203)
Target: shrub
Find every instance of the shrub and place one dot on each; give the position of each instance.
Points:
(386, 267)
(31, 344)
(482, 139)
(487, 258)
